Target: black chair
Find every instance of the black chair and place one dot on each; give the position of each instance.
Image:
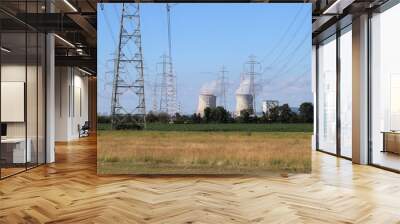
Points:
(84, 130)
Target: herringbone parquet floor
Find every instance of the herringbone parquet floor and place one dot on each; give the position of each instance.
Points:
(69, 191)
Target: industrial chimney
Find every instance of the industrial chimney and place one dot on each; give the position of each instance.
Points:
(206, 100)
(243, 102)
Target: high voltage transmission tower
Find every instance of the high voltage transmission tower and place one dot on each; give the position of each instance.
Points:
(223, 84)
(165, 69)
(253, 68)
(127, 111)
(155, 95)
(168, 86)
(170, 75)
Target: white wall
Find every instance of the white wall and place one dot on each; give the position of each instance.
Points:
(71, 103)
(62, 83)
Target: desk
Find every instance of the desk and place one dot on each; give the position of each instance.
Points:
(391, 141)
(13, 150)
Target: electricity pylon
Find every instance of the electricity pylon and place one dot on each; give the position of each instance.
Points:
(123, 112)
(165, 68)
(253, 68)
(223, 86)
(170, 75)
(155, 96)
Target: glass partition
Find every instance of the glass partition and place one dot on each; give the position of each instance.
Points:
(22, 88)
(327, 95)
(385, 89)
(13, 95)
(346, 93)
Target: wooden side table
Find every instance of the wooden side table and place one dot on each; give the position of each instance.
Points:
(391, 141)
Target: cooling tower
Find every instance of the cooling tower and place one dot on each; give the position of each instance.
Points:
(243, 102)
(206, 100)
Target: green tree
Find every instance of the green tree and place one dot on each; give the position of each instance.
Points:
(128, 122)
(264, 118)
(244, 116)
(151, 117)
(196, 118)
(273, 114)
(286, 115)
(104, 119)
(163, 117)
(306, 112)
(220, 115)
(178, 119)
(207, 114)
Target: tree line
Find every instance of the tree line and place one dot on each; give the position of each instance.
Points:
(278, 114)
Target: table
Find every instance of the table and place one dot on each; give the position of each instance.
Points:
(13, 150)
(391, 141)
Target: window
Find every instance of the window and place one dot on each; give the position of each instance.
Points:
(346, 93)
(385, 89)
(327, 95)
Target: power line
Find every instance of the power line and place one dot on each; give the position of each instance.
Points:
(279, 40)
(109, 27)
(283, 50)
(285, 65)
(290, 83)
(285, 69)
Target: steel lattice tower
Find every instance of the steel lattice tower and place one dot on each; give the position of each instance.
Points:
(170, 75)
(168, 91)
(165, 64)
(253, 67)
(223, 84)
(122, 84)
(155, 95)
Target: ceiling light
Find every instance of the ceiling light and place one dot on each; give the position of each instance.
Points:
(337, 7)
(65, 41)
(5, 50)
(70, 5)
(84, 71)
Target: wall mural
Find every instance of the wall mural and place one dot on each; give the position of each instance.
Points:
(183, 93)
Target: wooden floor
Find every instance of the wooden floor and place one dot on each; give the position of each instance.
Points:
(69, 191)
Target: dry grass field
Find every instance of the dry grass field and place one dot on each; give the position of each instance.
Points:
(157, 152)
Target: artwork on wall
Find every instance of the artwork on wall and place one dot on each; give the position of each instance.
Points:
(12, 98)
(206, 122)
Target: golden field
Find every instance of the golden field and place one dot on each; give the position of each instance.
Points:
(157, 152)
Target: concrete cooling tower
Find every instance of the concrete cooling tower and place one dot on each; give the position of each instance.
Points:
(243, 102)
(206, 100)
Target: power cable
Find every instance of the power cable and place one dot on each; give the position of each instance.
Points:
(288, 44)
(275, 46)
(285, 65)
(290, 83)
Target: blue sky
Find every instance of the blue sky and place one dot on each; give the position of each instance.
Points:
(207, 36)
